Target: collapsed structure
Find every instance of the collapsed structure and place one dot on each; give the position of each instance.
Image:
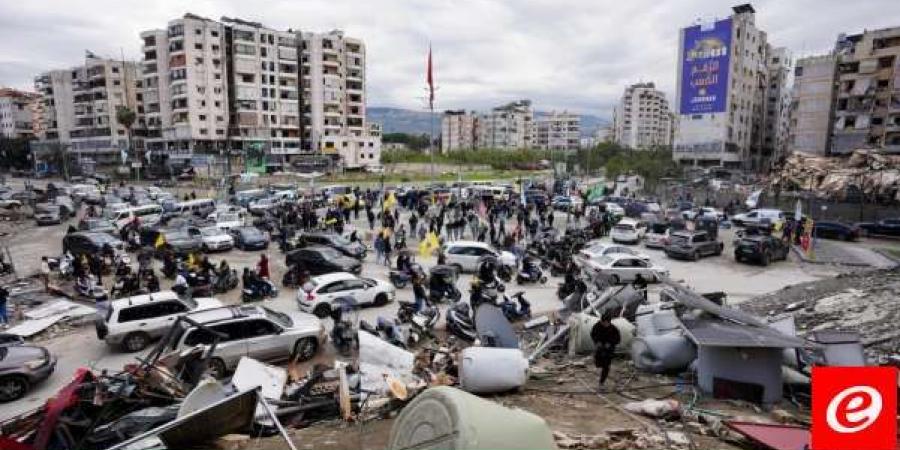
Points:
(867, 172)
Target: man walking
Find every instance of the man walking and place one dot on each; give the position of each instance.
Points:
(606, 337)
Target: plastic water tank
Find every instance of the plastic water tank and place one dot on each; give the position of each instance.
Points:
(489, 369)
(662, 353)
(448, 418)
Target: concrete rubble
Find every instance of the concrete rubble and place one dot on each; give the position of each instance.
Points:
(876, 174)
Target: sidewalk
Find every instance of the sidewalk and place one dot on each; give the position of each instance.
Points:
(844, 254)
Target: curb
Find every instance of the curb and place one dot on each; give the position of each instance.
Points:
(802, 255)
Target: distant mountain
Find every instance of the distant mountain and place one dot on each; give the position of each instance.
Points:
(398, 120)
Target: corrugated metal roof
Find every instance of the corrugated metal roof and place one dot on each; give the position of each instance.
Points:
(719, 333)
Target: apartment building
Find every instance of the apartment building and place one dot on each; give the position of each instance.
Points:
(557, 131)
(80, 107)
(776, 113)
(642, 119)
(508, 127)
(17, 113)
(812, 98)
(722, 85)
(459, 130)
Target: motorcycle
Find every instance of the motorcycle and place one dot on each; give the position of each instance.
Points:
(87, 287)
(400, 241)
(421, 322)
(400, 278)
(531, 272)
(442, 284)
(505, 272)
(387, 330)
(62, 265)
(343, 334)
(260, 291)
(460, 322)
(518, 309)
(224, 283)
(125, 286)
(200, 285)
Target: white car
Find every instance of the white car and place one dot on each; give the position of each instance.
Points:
(252, 331)
(216, 239)
(227, 220)
(615, 209)
(467, 255)
(318, 295)
(598, 249)
(703, 211)
(756, 216)
(133, 322)
(261, 206)
(625, 268)
(628, 231)
(657, 235)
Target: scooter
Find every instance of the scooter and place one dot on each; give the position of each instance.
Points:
(460, 322)
(225, 283)
(200, 285)
(421, 322)
(505, 272)
(125, 286)
(531, 273)
(87, 287)
(62, 265)
(264, 289)
(518, 309)
(400, 278)
(386, 330)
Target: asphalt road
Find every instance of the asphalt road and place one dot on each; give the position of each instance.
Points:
(82, 348)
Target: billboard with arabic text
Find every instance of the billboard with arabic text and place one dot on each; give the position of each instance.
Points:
(704, 68)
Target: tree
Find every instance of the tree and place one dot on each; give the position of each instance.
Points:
(126, 117)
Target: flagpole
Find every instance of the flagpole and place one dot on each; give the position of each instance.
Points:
(429, 77)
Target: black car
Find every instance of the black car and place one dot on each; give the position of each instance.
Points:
(333, 240)
(249, 238)
(176, 239)
(885, 227)
(89, 243)
(835, 230)
(319, 260)
(760, 248)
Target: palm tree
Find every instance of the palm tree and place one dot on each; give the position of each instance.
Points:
(126, 116)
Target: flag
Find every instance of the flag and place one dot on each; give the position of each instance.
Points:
(430, 80)
(390, 201)
(753, 199)
(160, 240)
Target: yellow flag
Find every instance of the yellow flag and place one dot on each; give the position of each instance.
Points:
(429, 245)
(160, 240)
(390, 201)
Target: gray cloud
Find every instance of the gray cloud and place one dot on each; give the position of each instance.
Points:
(563, 54)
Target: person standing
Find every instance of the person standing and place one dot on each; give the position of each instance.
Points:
(262, 268)
(45, 273)
(606, 337)
(4, 298)
(418, 292)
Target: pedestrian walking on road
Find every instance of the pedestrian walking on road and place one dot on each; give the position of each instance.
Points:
(606, 337)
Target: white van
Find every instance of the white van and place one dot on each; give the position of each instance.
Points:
(148, 214)
(757, 216)
(200, 207)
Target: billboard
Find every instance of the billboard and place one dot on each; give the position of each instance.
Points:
(704, 68)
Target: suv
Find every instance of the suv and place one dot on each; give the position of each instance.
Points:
(319, 260)
(320, 293)
(760, 248)
(178, 240)
(83, 243)
(252, 331)
(692, 245)
(468, 255)
(758, 217)
(134, 321)
(333, 240)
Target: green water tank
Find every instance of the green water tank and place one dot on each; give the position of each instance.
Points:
(448, 418)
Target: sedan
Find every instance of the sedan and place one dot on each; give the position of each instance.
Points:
(45, 214)
(318, 260)
(249, 238)
(261, 206)
(599, 249)
(22, 366)
(215, 239)
(626, 268)
(835, 230)
(318, 296)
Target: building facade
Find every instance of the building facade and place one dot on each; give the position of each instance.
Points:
(459, 131)
(643, 119)
(779, 83)
(812, 99)
(80, 107)
(18, 110)
(722, 85)
(557, 131)
(508, 127)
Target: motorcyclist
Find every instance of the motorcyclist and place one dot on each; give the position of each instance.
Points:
(180, 286)
(419, 292)
(487, 271)
(151, 281)
(404, 262)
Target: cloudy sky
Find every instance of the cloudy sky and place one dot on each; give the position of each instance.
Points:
(562, 54)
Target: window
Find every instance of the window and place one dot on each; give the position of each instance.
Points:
(259, 327)
(214, 33)
(198, 46)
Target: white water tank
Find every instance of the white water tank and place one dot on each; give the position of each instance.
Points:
(490, 369)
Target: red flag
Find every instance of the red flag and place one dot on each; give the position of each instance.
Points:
(430, 80)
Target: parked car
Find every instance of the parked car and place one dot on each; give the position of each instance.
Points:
(760, 248)
(657, 235)
(45, 214)
(318, 295)
(251, 331)
(565, 202)
(757, 216)
(628, 231)
(133, 322)
(261, 206)
(21, 367)
(249, 238)
(213, 238)
(97, 225)
(703, 211)
(178, 240)
(227, 220)
(692, 245)
(66, 206)
(597, 249)
(7, 339)
(885, 227)
(7, 201)
(319, 260)
(624, 268)
(835, 230)
(467, 255)
(615, 209)
(333, 240)
(85, 243)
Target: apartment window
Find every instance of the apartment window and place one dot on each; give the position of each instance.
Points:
(265, 92)
(263, 52)
(220, 131)
(202, 117)
(217, 76)
(198, 31)
(116, 82)
(220, 119)
(203, 103)
(877, 120)
(204, 131)
(244, 35)
(244, 49)
(214, 33)
(218, 104)
(247, 78)
(198, 46)
(198, 61)
(201, 89)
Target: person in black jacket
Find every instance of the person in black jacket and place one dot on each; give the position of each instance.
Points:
(606, 337)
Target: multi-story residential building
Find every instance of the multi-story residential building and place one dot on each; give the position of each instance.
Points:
(17, 113)
(776, 114)
(557, 131)
(508, 127)
(812, 108)
(81, 105)
(334, 98)
(643, 120)
(459, 131)
(721, 86)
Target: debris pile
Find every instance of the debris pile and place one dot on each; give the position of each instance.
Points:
(875, 174)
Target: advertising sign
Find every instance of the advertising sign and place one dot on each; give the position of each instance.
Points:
(704, 68)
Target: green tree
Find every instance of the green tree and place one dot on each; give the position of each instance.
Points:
(126, 117)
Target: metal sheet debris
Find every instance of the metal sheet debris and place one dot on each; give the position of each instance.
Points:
(719, 333)
(60, 307)
(772, 436)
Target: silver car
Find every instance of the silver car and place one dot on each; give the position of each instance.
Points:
(253, 331)
(22, 366)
